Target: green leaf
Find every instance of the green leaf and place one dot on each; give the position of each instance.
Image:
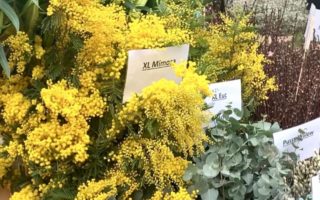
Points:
(138, 195)
(191, 170)
(213, 160)
(275, 127)
(237, 192)
(31, 2)
(265, 178)
(279, 168)
(4, 62)
(36, 2)
(254, 141)
(128, 4)
(143, 8)
(234, 123)
(151, 129)
(217, 132)
(28, 4)
(10, 13)
(262, 125)
(234, 160)
(187, 175)
(238, 112)
(60, 194)
(248, 178)
(202, 186)
(225, 171)
(31, 16)
(140, 2)
(154, 4)
(206, 2)
(226, 114)
(34, 91)
(264, 191)
(235, 175)
(211, 194)
(161, 7)
(210, 172)
(1, 21)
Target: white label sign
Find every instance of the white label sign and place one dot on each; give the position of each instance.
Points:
(150, 65)
(306, 137)
(316, 187)
(224, 94)
(313, 26)
(317, 24)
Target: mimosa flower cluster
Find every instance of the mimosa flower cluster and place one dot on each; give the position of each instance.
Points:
(181, 194)
(55, 110)
(109, 25)
(233, 54)
(64, 130)
(25, 193)
(20, 49)
(108, 187)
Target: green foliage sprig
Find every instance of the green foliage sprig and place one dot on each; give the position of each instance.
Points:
(241, 163)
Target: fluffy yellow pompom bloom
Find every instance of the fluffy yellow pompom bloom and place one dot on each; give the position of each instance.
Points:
(37, 72)
(65, 134)
(176, 108)
(14, 149)
(33, 120)
(160, 167)
(106, 25)
(15, 107)
(183, 13)
(106, 188)
(20, 50)
(52, 128)
(92, 104)
(26, 193)
(181, 194)
(233, 54)
(151, 32)
(8, 155)
(15, 84)
(55, 141)
(38, 49)
(60, 99)
(5, 161)
(95, 22)
(183, 125)
(71, 103)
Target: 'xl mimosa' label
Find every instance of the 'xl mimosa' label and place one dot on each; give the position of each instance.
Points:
(146, 66)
